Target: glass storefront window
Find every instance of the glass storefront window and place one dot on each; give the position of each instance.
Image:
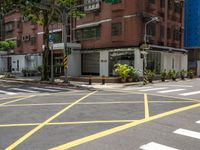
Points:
(154, 61)
(120, 57)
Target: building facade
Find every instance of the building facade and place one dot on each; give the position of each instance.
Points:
(192, 34)
(29, 45)
(113, 33)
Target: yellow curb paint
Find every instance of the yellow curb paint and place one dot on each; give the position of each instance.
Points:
(67, 123)
(20, 99)
(121, 128)
(27, 135)
(146, 106)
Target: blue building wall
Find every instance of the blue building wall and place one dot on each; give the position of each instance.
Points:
(192, 24)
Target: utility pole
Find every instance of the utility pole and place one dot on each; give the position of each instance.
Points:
(65, 33)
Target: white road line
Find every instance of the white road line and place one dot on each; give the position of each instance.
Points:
(190, 93)
(8, 93)
(44, 89)
(198, 122)
(175, 85)
(137, 88)
(156, 146)
(23, 90)
(56, 88)
(188, 133)
(169, 91)
(153, 89)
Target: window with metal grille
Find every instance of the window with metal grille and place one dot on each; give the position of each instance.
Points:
(116, 29)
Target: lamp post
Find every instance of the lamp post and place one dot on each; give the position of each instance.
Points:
(145, 46)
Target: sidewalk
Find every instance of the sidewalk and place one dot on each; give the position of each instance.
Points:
(59, 82)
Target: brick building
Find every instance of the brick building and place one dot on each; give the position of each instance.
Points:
(109, 34)
(113, 33)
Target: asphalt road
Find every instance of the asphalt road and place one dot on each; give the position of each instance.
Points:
(45, 117)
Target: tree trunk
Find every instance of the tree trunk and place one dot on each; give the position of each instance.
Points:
(45, 68)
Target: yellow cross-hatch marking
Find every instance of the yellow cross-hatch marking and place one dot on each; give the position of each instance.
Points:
(27, 135)
(67, 123)
(120, 128)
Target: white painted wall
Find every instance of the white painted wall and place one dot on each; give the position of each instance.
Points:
(32, 63)
(138, 60)
(180, 61)
(74, 64)
(104, 63)
(3, 64)
(14, 59)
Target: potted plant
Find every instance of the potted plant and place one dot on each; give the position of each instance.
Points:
(24, 72)
(169, 74)
(191, 74)
(150, 75)
(163, 75)
(174, 75)
(122, 71)
(183, 74)
(133, 74)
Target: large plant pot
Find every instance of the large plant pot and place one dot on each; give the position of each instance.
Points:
(123, 80)
(150, 80)
(174, 79)
(163, 79)
(182, 77)
(130, 79)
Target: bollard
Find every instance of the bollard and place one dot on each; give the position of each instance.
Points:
(90, 80)
(103, 80)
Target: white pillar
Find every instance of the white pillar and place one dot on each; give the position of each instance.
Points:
(104, 63)
(74, 64)
(138, 60)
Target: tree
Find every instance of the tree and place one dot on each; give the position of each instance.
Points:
(43, 12)
(7, 45)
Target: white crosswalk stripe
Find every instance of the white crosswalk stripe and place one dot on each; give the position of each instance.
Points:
(169, 91)
(156, 146)
(190, 93)
(56, 88)
(23, 90)
(43, 89)
(152, 89)
(188, 133)
(198, 122)
(137, 88)
(8, 93)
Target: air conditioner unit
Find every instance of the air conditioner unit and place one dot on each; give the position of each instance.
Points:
(23, 38)
(28, 37)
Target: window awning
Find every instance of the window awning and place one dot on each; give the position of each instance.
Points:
(169, 48)
(92, 24)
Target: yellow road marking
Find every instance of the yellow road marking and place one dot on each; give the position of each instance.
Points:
(95, 103)
(27, 135)
(67, 123)
(121, 128)
(146, 106)
(20, 99)
(1, 99)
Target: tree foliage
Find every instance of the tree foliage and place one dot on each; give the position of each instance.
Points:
(43, 12)
(6, 45)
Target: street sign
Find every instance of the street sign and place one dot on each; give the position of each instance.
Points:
(51, 38)
(69, 45)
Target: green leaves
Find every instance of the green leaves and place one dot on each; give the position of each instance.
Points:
(6, 45)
